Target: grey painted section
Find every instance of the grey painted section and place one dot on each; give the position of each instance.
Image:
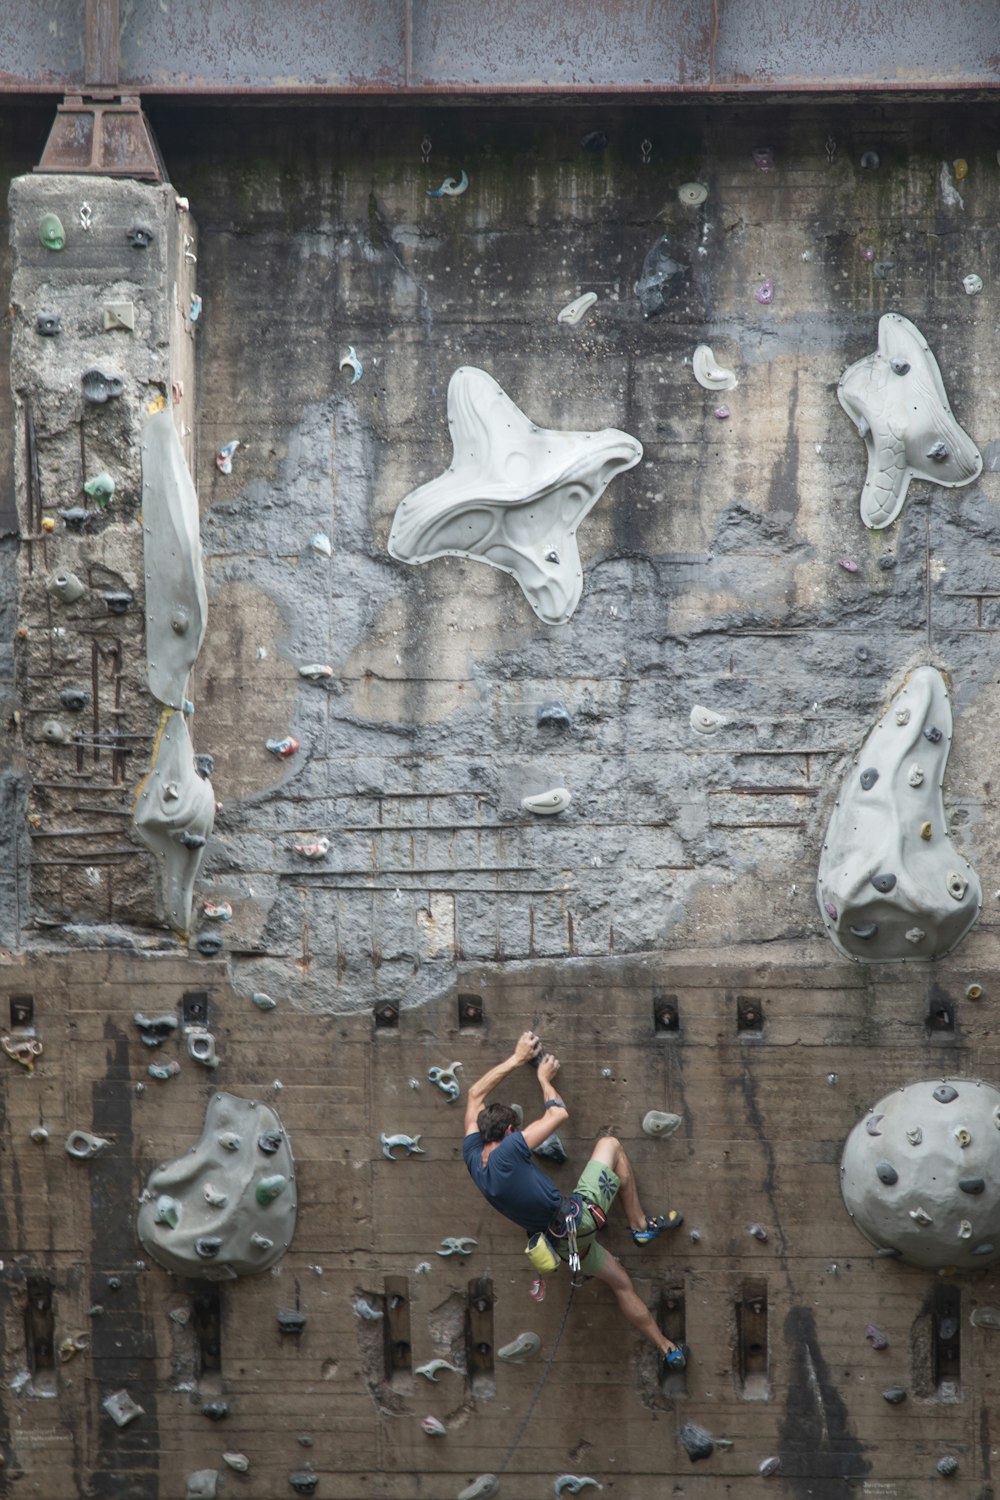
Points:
(920, 1173)
(174, 813)
(176, 603)
(208, 1213)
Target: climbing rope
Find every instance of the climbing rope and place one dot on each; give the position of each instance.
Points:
(541, 1381)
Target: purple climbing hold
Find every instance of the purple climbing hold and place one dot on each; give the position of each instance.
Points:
(830, 910)
(765, 292)
(876, 1337)
(722, 412)
(868, 254)
(763, 158)
(848, 566)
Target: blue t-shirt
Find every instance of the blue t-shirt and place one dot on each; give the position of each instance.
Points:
(511, 1182)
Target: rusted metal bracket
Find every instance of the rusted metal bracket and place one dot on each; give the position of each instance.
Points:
(102, 134)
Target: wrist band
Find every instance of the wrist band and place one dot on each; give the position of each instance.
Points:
(549, 1103)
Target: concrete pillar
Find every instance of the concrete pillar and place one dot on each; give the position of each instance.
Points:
(104, 273)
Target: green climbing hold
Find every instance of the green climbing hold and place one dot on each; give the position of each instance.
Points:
(269, 1188)
(101, 488)
(51, 233)
(168, 1211)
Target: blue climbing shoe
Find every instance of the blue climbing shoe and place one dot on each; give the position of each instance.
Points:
(676, 1358)
(672, 1219)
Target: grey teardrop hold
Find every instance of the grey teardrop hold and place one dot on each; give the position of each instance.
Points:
(986, 1249)
(139, 237)
(204, 764)
(972, 1184)
(74, 699)
(117, 603)
(932, 733)
(887, 563)
(868, 778)
(865, 931)
(947, 1465)
(208, 943)
(99, 387)
(269, 1141)
(208, 1246)
(894, 1395)
(697, 1441)
(883, 883)
(886, 1252)
(215, 1411)
(887, 1173)
(944, 1093)
(291, 1322)
(49, 325)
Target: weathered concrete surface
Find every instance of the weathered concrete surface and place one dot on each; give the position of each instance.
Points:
(684, 867)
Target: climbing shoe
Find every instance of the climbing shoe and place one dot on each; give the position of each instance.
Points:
(675, 1359)
(670, 1220)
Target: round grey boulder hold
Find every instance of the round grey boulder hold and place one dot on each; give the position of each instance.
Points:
(939, 1139)
(658, 1122)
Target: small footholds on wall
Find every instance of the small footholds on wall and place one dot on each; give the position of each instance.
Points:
(706, 720)
(101, 488)
(99, 387)
(692, 194)
(868, 778)
(213, 1197)
(65, 587)
(870, 161)
(208, 1246)
(118, 316)
(765, 292)
(139, 237)
(320, 542)
(709, 375)
(315, 671)
(867, 254)
(409, 1143)
(201, 1046)
(208, 944)
(263, 1001)
(873, 1124)
(894, 1395)
(117, 601)
(458, 1245)
(203, 1484)
(237, 1461)
(848, 565)
(350, 361)
(121, 1408)
(282, 748)
(921, 1216)
(432, 1369)
(432, 1427)
(74, 700)
(215, 1411)
(270, 1141)
(547, 804)
(974, 992)
(194, 310)
(39, 1134)
(960, 167)
(48, 325)
(886, 1172)
(985, 1317)
(722, 413)
(83, 1145)
(303, 1482)
(972, 283)
(54, 733)
(572, 1484)
(73, 1345)
(480, 1489)
(763, 158)
(944, 1093)
(167, 1211)
(446, 1080)
(553, 716)
(769, 1466)
(77, 518)
(270, 1188)
(51, 232)
(291, 1322)
(218, 911)
(521, 1349)
(450, 188)
(758, 1232)
(224, 457)
(947, 1466)
(153, 1030)
(575, 310)
(368, 1314)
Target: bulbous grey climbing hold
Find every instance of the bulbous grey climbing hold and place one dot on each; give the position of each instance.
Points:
(167, 1211)
(66, 587)
(163, 1071)
(410, 1143)
(659, 270)
(49, 325)
(658, 1122)
(876, 1337)
(758, 1232)
(883, 883)
(270, 1141)
(551, 1149)
(886, 1172)
(692, 194)
(215, 1240)
(83, 1145)
(696, 1441)
(480, 1489)
(894, 1394)
(215, 1411)
(262, 1001)
(769, 1466)
(574, 311)
(201, 1046)
(547, 804)
(100, 387)
(927, 1216)
(430, 1370)
(709, 375)
(523, 1348)
(947, 1465)
(139, 237)
(237, 1461)
(203, 1484)
(74, 700)
(514, 494)
(553, 716)
(54, 733)
(291, 1322)
(208, 944)
(433, 1427)
(897, 400)
(572, 1484)
(878, 829)
(121, 1408)
(868, 778)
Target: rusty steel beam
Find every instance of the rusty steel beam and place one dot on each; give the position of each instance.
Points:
(505, 48)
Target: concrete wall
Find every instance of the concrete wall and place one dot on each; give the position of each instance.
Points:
(684, 867)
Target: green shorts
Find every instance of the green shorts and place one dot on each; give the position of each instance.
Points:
(597, 1184)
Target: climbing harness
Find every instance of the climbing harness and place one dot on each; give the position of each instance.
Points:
(541, 1380)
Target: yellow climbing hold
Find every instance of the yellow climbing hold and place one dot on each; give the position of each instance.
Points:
(925, 830)
(961, 168)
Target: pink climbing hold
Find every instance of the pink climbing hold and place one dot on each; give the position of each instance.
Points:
(537, 1292)
(722, 412)
(848, 566)
(868, 254)
(282, 748)
(876, 1337)
(763, 158)
(433, 1427)
(765, 292)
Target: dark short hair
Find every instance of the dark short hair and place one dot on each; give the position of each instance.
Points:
(494, 1121)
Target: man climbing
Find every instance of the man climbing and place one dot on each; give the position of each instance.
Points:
(498, 1156)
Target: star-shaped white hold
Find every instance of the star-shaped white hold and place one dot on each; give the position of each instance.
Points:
(513, 496)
